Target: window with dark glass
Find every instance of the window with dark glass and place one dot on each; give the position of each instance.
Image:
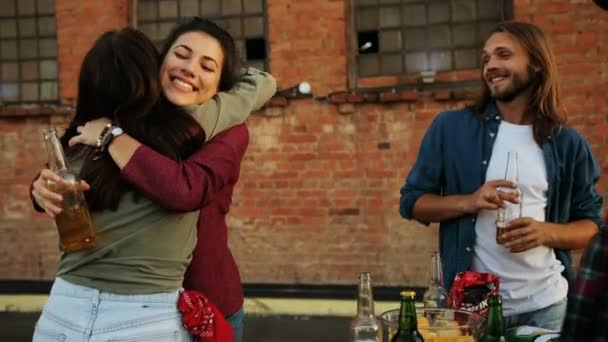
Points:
(245, 20)
(398, 37)
(28, 52)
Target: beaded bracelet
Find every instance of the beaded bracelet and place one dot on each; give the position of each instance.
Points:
(102, 135)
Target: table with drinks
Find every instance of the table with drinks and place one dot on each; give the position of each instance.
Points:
(443, 317)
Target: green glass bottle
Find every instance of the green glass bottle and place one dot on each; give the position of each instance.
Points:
(495, 329)
(408, 322)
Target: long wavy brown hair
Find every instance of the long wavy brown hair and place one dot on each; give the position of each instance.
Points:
(119, 77)
(544, 100)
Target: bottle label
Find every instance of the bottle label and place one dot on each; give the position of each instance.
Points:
(546, 338)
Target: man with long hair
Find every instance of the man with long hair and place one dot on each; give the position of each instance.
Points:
(458, 180)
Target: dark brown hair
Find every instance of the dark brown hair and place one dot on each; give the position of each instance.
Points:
(544, 100)
(119, 78)
(230, 67)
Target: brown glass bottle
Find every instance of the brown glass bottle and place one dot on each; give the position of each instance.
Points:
(74, 222)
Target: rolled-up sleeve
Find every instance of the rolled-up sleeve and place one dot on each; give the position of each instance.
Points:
(189, 184)
(426, 174)
(586, 203)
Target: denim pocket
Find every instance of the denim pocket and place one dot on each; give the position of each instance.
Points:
(41, 335)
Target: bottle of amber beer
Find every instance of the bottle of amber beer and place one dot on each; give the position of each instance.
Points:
(495, 329)
(365, 327)
(511, 211)
(408, 322)
(74, 222)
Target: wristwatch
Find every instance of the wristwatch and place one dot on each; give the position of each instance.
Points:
(108, 135)
(115, 131)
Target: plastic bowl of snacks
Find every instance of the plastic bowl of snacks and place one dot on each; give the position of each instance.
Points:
(437, 325)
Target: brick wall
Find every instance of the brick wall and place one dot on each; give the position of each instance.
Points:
(319, 190)
(28, 240)
(79, 23)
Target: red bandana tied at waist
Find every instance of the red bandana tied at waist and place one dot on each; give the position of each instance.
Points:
(202, 319)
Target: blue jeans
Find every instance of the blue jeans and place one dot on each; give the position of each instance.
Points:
(76, 313)
(550, 317)
(236, 321)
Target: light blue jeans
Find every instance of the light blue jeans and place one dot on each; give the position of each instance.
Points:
(550, 317)
(76, 313)
(236, 321)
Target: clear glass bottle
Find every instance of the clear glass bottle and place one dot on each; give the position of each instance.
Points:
(74, 222)
(435, 295)
(511, 211)
(365, 327)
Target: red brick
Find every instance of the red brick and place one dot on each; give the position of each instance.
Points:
(553, 7)
(442, 95)
(346, 108)
(339, 97)
(389, 96)
(355, 97)
(409, 95)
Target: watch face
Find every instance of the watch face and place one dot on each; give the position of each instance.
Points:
(116, 131)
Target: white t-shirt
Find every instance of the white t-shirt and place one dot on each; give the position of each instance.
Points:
(529, 280)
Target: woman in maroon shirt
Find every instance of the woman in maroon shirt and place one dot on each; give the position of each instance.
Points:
(198, 57)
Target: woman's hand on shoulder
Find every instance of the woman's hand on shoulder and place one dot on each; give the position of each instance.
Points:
(88, 134)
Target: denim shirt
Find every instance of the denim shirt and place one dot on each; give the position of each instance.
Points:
(453, 159)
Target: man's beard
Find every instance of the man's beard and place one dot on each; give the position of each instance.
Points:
(518, 86)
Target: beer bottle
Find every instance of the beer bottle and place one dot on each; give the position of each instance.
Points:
(365, 327)
(495, 329)
(74, 222)
(511, 211)
(435, 295)
(408, 322)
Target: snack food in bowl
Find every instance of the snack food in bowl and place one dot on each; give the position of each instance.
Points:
(437, 325)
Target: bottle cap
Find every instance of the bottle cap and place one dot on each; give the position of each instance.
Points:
(410, 294)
